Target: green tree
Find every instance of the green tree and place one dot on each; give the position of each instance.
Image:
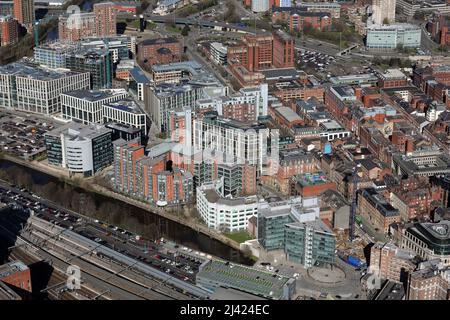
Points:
(386, 21)
(185, 30)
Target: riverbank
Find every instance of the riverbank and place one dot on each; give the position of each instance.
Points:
(90, 186)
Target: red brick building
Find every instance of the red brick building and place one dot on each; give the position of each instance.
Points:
(24, 13)
(292, 163)
(428, 284)
(105, 15)
(438, 27)
(9, 30)
(254, 53)
(392, 262)
(392, 78)
(297, 20)
(283, 50)
(17, 275)
(313, 184)
(85, 27)
(163, 50)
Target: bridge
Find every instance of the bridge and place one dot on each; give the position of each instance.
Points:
(219, 26)
(347, 50)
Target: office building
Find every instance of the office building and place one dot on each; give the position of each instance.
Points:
(81, 149)
(138, 81)
(294, 227)
(374, 207)
(283, 50)
(383, 37)
(428, 240)
(309, 243)
(9, 31)
(31, 88)
(410, 7)
(262, 51)
(215, 273)
(421, 163)
(125, 111)
(383, 11)
(161, 50)
(97, 62)
(86, 106)
(228, 214)
(105, 15)
(24, 13)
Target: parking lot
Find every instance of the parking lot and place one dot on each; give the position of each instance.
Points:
(180, 262)
(22, 135)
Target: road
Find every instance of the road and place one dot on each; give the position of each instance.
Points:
(426, 42)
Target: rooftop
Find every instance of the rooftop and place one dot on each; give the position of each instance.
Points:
(33, 71)
(78, 131)
(138, 75)
(247, 279)
(311, 179)
(10, 268)
(288, 114)
(126, 105)
(96, 95)
(391, 291)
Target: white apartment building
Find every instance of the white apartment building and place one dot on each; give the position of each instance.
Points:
(86, 106)
(219, 53)
(224, 213)
(234, 141)
(257, 96)
(35, 89)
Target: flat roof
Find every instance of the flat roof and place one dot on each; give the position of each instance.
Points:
(288, 114)
(10, 268)
(126, 105)
(138, 75)
(251, 280)
(78, 131)
(34, 71)
(95, 95)
(222, 293)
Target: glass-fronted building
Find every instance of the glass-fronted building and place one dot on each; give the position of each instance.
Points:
(294, 227)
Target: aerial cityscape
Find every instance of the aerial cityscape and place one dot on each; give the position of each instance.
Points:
(224, 150)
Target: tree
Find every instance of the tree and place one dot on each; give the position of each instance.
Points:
(386, 21)
(185, 30)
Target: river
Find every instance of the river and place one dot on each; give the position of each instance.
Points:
(140, 221)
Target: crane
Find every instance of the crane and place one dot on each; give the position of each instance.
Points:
(355, 179)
